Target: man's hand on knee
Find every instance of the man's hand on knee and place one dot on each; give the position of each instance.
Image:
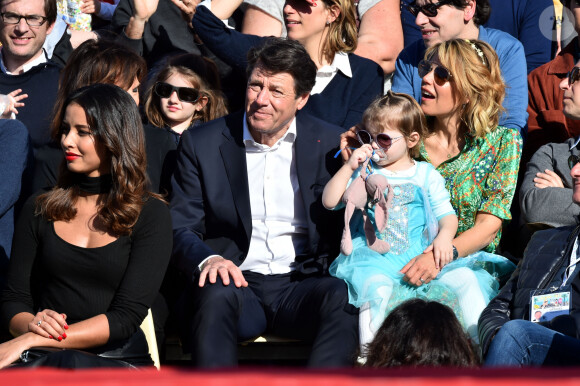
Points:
(224, 268)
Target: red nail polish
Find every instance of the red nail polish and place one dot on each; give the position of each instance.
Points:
(66, 326)
(59, 338)
(64, 335)
(50, 337)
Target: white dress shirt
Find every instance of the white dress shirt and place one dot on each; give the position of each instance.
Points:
(279, 221)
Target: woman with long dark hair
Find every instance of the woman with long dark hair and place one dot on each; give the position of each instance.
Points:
(104, 61)
(89, 255)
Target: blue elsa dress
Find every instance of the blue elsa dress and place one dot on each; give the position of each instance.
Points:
(374, 280)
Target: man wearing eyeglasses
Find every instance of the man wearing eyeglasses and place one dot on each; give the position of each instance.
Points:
(24, 25)
(444, 20)
(547, 123)
(545, 194)
(549, 271)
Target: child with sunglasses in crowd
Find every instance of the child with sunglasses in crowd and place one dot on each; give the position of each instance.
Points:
(420, 216)
(185, 92)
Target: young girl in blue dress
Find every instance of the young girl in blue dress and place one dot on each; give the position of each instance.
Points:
(420, 218)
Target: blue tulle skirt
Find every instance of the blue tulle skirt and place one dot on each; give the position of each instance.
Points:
(376, 279)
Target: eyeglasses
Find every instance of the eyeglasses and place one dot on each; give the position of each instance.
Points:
(573, 160)
(382, 140)
(185, 94)
(573, 75)
(31, 20)
(441, 74)
(429, 9)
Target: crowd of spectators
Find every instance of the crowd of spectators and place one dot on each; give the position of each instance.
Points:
(171, 155)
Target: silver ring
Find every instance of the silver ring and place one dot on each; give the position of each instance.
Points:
(39, 323)
(422, 281)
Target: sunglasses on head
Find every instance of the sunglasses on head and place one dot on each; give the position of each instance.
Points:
(185, 94)
(573, 160)
(573, 75)
(382, 140)
(440, 73)
(429, 9)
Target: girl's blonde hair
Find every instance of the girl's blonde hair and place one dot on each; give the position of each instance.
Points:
(342, 32)
(476, 76)
(202, 74)
(396, 111)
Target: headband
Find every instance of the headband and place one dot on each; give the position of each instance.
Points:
(478, 50)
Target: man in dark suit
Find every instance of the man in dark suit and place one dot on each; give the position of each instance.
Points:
(249, 227)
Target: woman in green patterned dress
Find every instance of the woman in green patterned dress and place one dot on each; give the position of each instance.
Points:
(462, 92)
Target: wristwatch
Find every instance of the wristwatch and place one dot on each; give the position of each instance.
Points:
(455, 253)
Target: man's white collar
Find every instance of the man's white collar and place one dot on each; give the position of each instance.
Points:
(290, 134)
(35, 62)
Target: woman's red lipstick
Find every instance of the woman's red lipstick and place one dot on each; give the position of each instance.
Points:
(71, 156)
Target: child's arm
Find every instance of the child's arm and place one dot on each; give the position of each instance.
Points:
(442, 245)
(335, 188)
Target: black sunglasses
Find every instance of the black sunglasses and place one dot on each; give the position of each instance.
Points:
(384, 141)
(573, 160)
(441, 74)
(429, 9)
(573, 75)
(185, 94)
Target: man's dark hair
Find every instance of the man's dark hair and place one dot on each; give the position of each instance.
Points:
(49, 10)
(482, 10)
(278, 55)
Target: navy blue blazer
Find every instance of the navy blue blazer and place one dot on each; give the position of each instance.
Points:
(210, 203)
(343, 100)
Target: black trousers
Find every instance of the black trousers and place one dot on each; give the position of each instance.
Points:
(313, 309)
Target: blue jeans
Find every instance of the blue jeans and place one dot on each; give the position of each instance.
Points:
(523, 343)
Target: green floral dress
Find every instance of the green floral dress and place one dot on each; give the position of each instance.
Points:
(482, 177)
